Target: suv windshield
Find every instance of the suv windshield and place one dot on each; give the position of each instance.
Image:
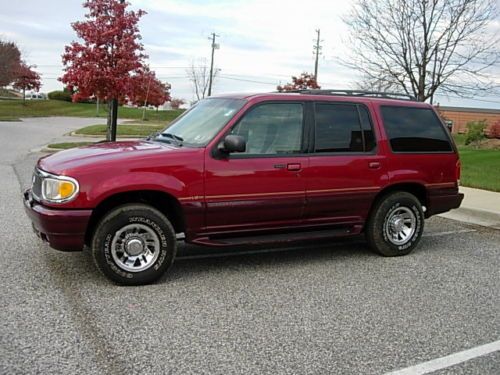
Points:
(197, 126)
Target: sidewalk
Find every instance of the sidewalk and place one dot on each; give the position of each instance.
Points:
(479, 207)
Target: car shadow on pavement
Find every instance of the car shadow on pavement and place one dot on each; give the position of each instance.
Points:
(192, 261)
(208, 260)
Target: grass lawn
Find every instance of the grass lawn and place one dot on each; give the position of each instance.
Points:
(66, 145)
(128, 129)
(480, 167)
(14, 109)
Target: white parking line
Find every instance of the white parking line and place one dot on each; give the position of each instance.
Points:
(449, 360)
(448, 232)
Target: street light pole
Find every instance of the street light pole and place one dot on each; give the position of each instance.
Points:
(214, 47)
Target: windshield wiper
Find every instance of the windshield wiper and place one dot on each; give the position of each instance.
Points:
(152, 136)
(177, 139)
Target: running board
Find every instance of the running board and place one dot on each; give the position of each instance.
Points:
(265, 239)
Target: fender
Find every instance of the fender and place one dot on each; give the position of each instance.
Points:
(135, 182)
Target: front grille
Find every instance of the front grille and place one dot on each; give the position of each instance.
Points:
(36, 187)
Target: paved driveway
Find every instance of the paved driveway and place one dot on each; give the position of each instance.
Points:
(311, 309)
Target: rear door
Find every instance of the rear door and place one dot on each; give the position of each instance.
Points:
(262, 187)
(345, 170)
(422, 149)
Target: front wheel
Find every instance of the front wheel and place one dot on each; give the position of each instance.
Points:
(134, 244)
(396, 224)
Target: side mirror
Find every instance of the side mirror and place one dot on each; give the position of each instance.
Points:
(233, 143)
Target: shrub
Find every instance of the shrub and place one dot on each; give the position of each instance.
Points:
(60, 95)
(493, 131)
(87, 100)
(475, 133)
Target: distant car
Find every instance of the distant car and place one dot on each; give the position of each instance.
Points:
(251, 169)
(35, 96)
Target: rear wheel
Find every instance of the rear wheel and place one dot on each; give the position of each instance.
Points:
(396, 224)
(134, 244)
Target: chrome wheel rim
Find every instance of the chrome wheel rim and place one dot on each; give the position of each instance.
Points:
(135, 247)
(400, 225)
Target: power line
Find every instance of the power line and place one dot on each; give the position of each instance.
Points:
(476, 100)
(246, 80)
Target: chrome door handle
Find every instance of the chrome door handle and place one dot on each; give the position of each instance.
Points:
(294, 167)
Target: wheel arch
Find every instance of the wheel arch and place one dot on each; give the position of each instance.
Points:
(163, 202)
(415, 188)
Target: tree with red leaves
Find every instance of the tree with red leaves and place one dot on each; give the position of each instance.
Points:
(148, 90)
(305, 81)
(176, 103)
(10, 60)
(103, 65)
(26, 79)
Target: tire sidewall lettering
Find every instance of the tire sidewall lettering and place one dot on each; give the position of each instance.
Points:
(418, 226)
(109, 258)
(145, 221)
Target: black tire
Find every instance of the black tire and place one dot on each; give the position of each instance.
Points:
(144, 223)
(378, 229)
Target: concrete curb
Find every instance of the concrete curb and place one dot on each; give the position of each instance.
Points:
(49, 149)
(74, 134)
(481, 213)
(477, 216)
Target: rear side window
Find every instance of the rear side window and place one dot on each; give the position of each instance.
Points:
(343, 128)
(414, 130)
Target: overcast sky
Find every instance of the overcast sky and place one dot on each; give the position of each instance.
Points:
(262, 43)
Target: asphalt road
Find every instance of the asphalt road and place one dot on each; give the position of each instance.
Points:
(325, 308)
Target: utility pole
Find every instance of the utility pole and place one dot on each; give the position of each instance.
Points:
(317, 51)
(214, 47)
(434, 74)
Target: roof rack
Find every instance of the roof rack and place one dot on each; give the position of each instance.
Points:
(375, 94)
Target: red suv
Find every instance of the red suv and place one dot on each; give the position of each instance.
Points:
(248, 169)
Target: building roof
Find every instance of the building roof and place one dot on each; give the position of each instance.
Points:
(470, 110)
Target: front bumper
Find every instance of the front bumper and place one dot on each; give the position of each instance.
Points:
(62, 229)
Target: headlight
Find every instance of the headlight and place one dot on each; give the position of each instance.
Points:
(57, 189)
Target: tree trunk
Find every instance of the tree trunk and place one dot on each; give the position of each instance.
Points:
(108, 132)
(114, 118)
(24, 96)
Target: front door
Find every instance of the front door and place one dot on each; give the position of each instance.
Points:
(261, 188)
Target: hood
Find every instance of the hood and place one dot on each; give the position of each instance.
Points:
(106, 154)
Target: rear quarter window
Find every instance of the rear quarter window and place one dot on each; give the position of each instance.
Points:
(414, 130)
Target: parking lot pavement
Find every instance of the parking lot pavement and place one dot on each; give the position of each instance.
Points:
(309, 309)
(18, 138)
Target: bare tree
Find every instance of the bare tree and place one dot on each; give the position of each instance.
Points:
(422, 46)
(199, 75)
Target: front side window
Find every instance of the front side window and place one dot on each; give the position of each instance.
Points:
(343, 128)
(414, 130)
(272, 129)
(199, 125)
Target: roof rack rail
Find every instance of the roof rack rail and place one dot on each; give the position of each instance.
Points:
(375, 94)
